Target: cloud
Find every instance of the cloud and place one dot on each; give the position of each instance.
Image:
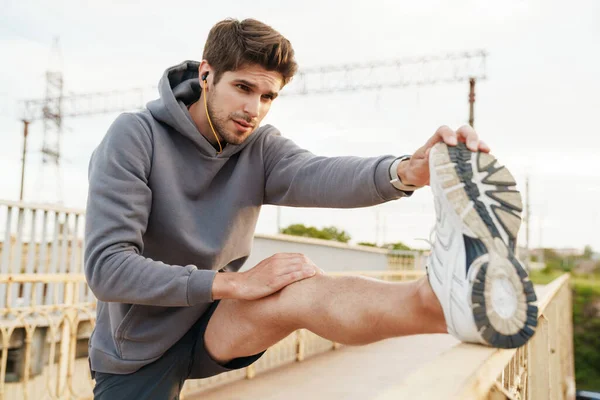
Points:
(537, 109)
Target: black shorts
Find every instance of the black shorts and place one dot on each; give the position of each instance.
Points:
(164, 378)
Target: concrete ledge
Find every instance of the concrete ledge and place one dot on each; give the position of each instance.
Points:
(467, 371)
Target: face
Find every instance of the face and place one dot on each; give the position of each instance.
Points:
(240, 100)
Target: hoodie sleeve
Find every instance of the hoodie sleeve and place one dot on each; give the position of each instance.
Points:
(118, 206)
(296, 177)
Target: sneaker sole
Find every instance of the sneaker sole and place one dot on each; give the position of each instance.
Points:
(502, 295)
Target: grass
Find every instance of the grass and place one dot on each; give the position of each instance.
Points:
(586, 333)
(542, 277)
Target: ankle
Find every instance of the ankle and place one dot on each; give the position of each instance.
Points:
(431, 305)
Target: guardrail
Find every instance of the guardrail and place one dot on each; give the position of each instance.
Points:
(543, 369)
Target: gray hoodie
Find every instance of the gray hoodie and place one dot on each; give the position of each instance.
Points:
(165, 212)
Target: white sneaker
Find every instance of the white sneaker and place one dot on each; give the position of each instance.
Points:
(484, 290)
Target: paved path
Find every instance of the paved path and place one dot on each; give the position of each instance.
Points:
(350, 373)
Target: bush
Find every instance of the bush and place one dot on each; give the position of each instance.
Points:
(586, 334)
(586, 325)
(327, 233)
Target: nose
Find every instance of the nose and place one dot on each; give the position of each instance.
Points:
(252, 106)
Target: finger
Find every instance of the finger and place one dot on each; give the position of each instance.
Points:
(448, 135)
(282, 281)
(282, 259)
(443, 134)
(286, 256)
(293, 267)
(484, 147)
(468, 135)
(276, 259)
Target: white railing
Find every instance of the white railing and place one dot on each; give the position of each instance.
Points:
(44, 346)
(406, 260)
(39, 239)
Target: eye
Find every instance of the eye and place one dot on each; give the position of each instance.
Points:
(268, 97)
(243, 87)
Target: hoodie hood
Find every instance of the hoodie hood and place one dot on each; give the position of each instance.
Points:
(178, 88)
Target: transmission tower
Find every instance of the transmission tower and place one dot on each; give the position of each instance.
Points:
(52, 121)
(397, 73)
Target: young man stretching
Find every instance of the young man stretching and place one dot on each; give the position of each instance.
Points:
(174, 196)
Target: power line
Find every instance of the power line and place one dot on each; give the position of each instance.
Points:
(386, 74)
(392, 74)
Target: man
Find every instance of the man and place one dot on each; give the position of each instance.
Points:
(175, 193)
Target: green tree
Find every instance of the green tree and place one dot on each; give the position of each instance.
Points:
(396, 246)
(336, 234)
(554, 261)
(588, 253)
(368, 244)
(327, 233)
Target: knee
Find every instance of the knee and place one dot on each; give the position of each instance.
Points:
(294, 302)
(286, 309)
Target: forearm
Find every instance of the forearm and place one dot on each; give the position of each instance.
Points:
(296, 177)
(337, 182)
(117, 212)
(127, 277)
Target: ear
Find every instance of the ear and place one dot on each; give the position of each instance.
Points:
(204, 70)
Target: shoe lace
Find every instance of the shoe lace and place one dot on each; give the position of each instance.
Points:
(431, 239)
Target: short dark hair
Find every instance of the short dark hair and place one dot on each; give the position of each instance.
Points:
(234, 44)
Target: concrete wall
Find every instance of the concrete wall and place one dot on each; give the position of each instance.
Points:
(328, 255)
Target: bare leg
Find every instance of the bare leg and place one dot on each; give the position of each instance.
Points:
(347, 310)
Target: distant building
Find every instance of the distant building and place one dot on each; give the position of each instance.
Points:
(567, 251)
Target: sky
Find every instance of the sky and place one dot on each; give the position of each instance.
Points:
(538, 108)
